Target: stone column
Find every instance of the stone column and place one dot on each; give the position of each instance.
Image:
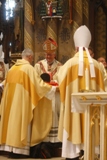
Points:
(28, 26)
(52, 29)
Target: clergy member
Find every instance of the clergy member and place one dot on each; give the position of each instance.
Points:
(23, 91)
(80, 73)
(51, 66)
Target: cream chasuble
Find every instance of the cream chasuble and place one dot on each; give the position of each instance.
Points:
(22, 92)
(43, 67)
(71, 125)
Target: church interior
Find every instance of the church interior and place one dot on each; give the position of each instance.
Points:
(28, 23)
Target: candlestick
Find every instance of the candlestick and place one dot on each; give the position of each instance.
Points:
(86, 79)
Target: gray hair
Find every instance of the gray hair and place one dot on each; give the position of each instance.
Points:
(27, 52)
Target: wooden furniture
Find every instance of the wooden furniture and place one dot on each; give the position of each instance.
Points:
(94, 105)
(13, 58)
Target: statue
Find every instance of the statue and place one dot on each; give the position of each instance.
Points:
(49, 7)
(17, 44)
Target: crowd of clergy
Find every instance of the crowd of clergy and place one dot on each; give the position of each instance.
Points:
(35, 110)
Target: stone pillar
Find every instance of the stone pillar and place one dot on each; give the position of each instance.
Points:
(28, 26)
(52, 29)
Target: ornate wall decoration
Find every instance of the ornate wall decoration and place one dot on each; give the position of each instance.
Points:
(41, 35)
(73, 12)
(51, 8)
(65, 35)
(100, 33)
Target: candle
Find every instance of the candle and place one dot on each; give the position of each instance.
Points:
(86, 79)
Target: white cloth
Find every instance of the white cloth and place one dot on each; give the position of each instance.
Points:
(42, 67)
(25, 150)
(52, 136)
(81, 66)
(70, 150)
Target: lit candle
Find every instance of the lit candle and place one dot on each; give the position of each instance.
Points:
(86, 79)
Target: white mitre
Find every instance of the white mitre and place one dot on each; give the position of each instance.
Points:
(82, 39)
